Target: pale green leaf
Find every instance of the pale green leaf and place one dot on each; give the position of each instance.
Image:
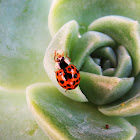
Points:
(64, 119)
(129, 105)
(102, 89)
(86, 11)
(16, 121)
(24, 37)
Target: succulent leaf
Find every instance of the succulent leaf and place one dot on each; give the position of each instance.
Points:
(85, 12)
(129, 105)
(24, 37)
(135, 121)
(16, 121)
(91, 67)
(102, 89)
(62, 118)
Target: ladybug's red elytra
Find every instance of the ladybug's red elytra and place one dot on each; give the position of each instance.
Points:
(68, 76)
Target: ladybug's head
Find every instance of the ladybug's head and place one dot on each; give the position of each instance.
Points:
(58, 58)
(59, 55)
(61, 62)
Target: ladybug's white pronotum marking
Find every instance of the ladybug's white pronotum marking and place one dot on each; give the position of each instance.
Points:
(59, 54)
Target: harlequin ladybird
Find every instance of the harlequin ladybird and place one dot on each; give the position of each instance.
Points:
(68, 76)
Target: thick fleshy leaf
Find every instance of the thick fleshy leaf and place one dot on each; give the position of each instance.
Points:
(16, 122)
(106, 53)
(109, 72)
(102, 89)
(91, 67)
(135, 121)
(129, 105)
(24, 37)
(124, 67)
(62, 118)
(106, 65)
(63, 40)
(123, 30)
(97, 60)
(89, 42)
(85, 12)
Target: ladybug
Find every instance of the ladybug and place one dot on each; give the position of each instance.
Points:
(68, 76)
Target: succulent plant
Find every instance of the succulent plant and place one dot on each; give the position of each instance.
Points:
(102, 38)
(105, 47)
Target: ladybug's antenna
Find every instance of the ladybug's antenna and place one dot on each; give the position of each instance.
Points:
(68, 57)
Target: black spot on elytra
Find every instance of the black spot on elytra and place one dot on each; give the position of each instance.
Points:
(77, 70)
(69, 69)
(69, 88)
(57, 80)
(68, 85)
(57, 73)
(76, 85)
(69, 75)
(62, 82)
(73, 82)
(64, 86)
(76, 80)
(72, 67)
(79, 78)
(75, 75)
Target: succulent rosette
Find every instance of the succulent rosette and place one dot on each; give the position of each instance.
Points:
(105, 47)
(102, 39)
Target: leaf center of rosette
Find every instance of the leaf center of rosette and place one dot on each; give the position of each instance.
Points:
(97, 58)
(103, 61)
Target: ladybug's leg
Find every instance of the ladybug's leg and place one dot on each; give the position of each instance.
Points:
(68, 57)
(55, 56)
(66, 90)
